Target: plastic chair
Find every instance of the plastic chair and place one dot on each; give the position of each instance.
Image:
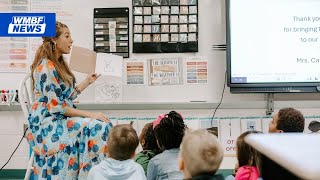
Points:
(26, 99)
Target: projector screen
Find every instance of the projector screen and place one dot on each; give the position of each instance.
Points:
(273, 43)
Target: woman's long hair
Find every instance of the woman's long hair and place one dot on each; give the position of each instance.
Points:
(46, 51)
(247, 155)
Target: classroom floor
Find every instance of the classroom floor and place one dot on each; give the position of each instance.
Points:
(18, 174)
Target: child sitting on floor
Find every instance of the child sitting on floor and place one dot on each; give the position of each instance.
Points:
(149, 145)
(121, 145)
(169, 131)
(248, 159)
(200, 156)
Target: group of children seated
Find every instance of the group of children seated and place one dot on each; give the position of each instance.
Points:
(173, 151)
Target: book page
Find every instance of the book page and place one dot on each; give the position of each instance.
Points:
(82, 60)
(109, 65)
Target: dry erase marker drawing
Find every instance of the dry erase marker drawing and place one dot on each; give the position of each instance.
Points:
(107, 92)
(107, 67)
(108, 88)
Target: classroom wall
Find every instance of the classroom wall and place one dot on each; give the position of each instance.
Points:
(211, 31)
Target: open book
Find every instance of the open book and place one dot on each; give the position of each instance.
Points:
(87, 61)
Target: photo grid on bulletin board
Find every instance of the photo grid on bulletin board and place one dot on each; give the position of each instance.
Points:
(111, 31)
(165, 26)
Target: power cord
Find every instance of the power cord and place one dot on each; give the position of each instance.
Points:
(224, 87)
(15, 149)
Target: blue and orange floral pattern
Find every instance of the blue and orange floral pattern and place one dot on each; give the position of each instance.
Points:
(65, 147)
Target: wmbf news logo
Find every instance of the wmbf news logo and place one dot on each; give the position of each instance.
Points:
(28, 24)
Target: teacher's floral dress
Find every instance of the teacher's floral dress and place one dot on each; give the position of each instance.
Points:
(65, 147)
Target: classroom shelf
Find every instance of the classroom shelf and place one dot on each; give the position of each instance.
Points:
(182, 105)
